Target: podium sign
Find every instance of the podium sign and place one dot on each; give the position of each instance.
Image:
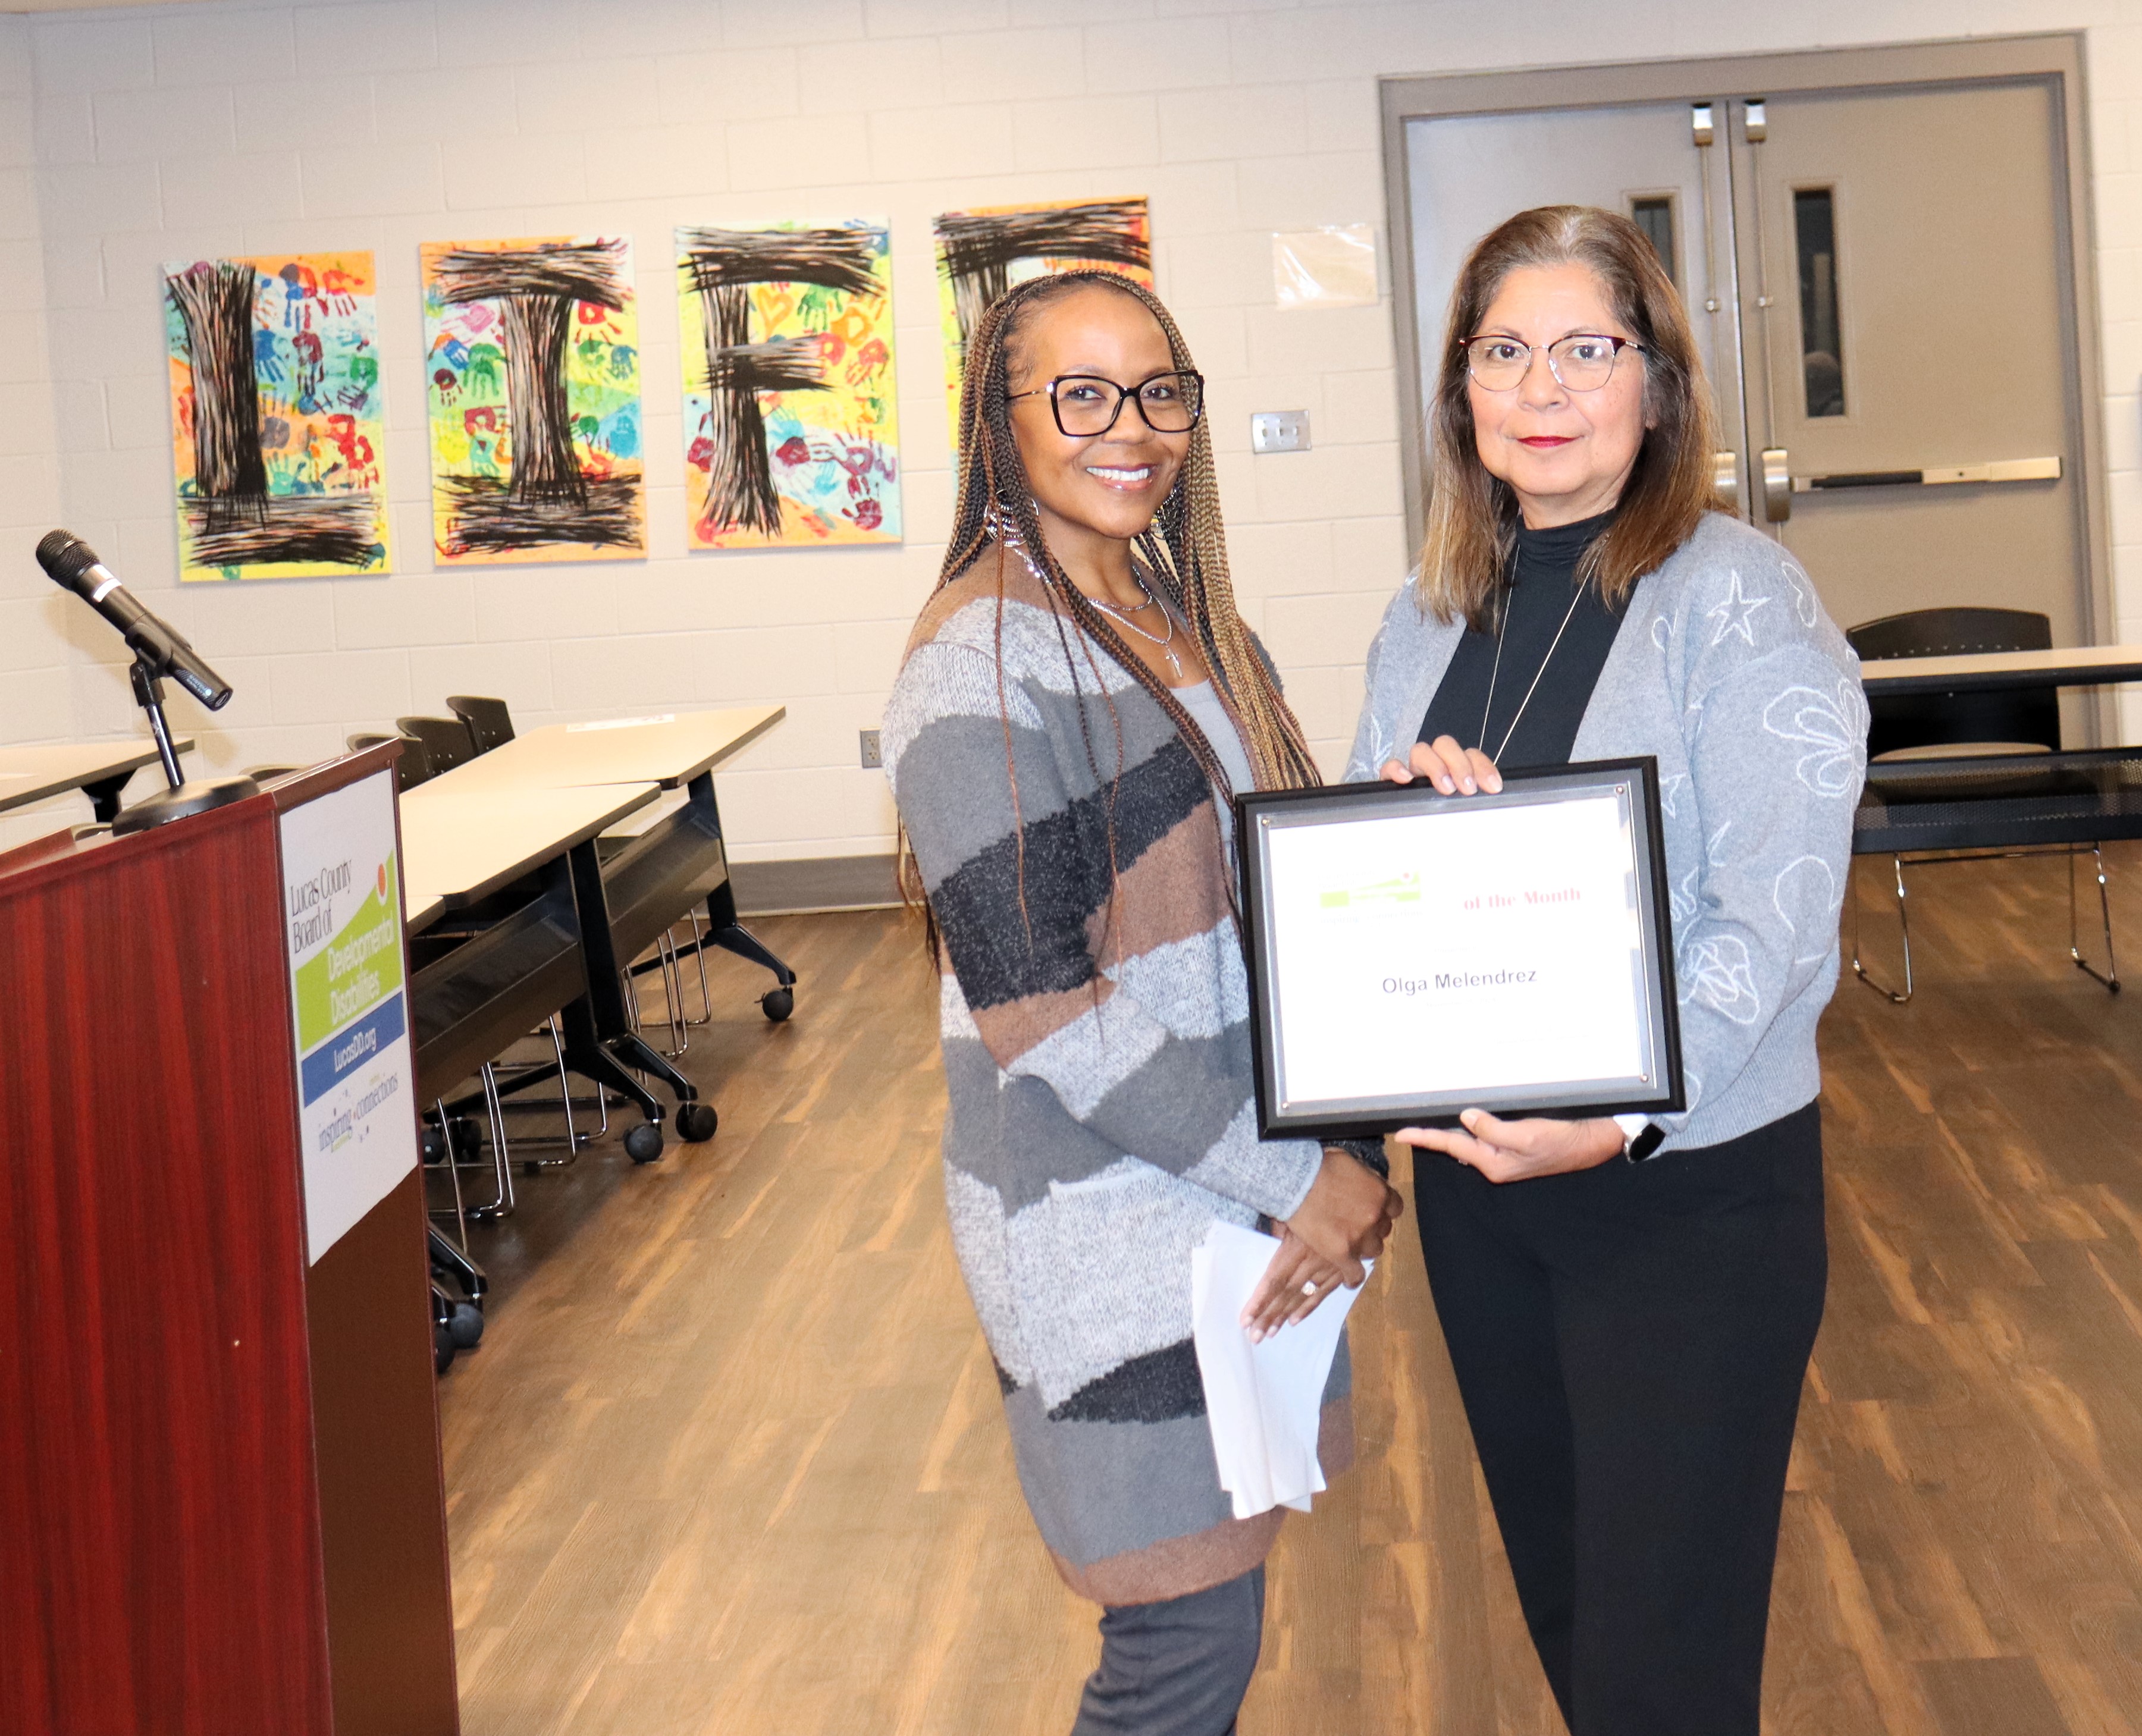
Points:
(357, 1078)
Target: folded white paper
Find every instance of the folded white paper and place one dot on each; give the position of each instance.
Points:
(1264, 1401)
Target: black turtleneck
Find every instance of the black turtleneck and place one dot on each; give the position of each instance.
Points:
(1540, 591)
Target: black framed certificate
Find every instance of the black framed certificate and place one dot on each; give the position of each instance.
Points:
(1413, 954)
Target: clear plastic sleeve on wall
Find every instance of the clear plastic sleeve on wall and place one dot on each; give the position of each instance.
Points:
(1332, 267)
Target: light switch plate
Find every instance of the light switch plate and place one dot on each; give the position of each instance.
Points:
(1280, 431)
(872, 757)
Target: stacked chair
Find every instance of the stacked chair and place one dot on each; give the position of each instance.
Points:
(411, 769)
(432, 746)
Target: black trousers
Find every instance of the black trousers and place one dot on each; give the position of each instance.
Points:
(1629, 1343)
(1177, 1668)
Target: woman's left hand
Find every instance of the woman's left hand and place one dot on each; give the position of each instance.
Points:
(1448, 767)
(1516, 1151)
(1293, 1284)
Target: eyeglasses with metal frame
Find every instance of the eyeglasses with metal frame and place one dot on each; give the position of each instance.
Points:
(1086, 406)
(1583, 362)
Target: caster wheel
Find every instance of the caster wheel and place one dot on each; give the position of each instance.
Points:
(466, 1328)
(696, 1122)
(644, 1143)
(777, 1004)
(442, 1349)
(468, 1140)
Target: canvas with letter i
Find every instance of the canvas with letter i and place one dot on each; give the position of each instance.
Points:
(532, 384)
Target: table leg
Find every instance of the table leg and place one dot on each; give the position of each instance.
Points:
(731, 935)
(104, 796)
(610, 1023)
(587, 1055)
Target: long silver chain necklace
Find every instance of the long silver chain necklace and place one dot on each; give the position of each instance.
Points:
(1501, 627)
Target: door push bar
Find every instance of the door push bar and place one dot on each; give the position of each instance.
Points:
(2008, 470)
(1780, 485)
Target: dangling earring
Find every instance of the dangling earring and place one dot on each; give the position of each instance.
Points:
(1003, 530)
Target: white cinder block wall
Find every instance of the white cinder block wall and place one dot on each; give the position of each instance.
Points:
(35, 661)
(166, 132)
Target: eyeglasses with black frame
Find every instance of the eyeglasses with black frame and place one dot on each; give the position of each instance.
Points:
(1583, 362)
(1087, 405)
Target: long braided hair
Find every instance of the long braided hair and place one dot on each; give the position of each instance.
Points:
(1185, 550)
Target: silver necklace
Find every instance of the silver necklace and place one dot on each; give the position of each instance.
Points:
(1501, 627)
(1166, 641)
(1009, 538)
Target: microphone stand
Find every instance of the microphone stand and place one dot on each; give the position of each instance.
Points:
(149, 695)
(183, 798)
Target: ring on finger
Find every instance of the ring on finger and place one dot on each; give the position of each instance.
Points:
(1310, 1288)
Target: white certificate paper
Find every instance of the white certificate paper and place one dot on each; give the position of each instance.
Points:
(1414, 957)
(1264, 1401)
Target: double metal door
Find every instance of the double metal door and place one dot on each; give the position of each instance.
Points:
(1880, 279)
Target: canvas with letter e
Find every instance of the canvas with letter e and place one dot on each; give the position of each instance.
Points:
(1413, 954)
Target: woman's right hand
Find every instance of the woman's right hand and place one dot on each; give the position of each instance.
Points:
(1451, 768)
(1348, 1213)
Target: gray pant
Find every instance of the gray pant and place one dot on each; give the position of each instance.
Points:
(1178, 1667)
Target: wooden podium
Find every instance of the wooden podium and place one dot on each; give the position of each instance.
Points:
(221, 1510)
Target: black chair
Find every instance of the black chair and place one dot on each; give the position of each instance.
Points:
(445, 741)
(489, 722)
(2022, 719)
(411, 769)
(1970, 776)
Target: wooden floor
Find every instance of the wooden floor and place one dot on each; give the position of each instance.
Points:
(731, 1458)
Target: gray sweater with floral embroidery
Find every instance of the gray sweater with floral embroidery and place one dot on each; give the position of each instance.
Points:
(1729, 672)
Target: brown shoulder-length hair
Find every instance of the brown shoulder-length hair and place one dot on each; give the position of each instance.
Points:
(1472, 516)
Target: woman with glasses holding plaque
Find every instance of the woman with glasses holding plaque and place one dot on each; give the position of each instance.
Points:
(1630, 1309)
(1078, 700)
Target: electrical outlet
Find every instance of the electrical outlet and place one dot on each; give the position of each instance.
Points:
(1280, 431)
(871, 755)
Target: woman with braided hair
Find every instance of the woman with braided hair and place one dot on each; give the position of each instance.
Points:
(1079, 701)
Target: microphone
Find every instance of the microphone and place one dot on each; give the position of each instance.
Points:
(70, 561)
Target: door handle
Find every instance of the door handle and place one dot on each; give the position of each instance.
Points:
(1725, 480)
(2000, 470)
(1777, 485)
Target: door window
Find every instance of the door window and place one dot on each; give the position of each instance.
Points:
(1653, 213)
(1822, 349)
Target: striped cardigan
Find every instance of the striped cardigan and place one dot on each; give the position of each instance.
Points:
(1096, 1056)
